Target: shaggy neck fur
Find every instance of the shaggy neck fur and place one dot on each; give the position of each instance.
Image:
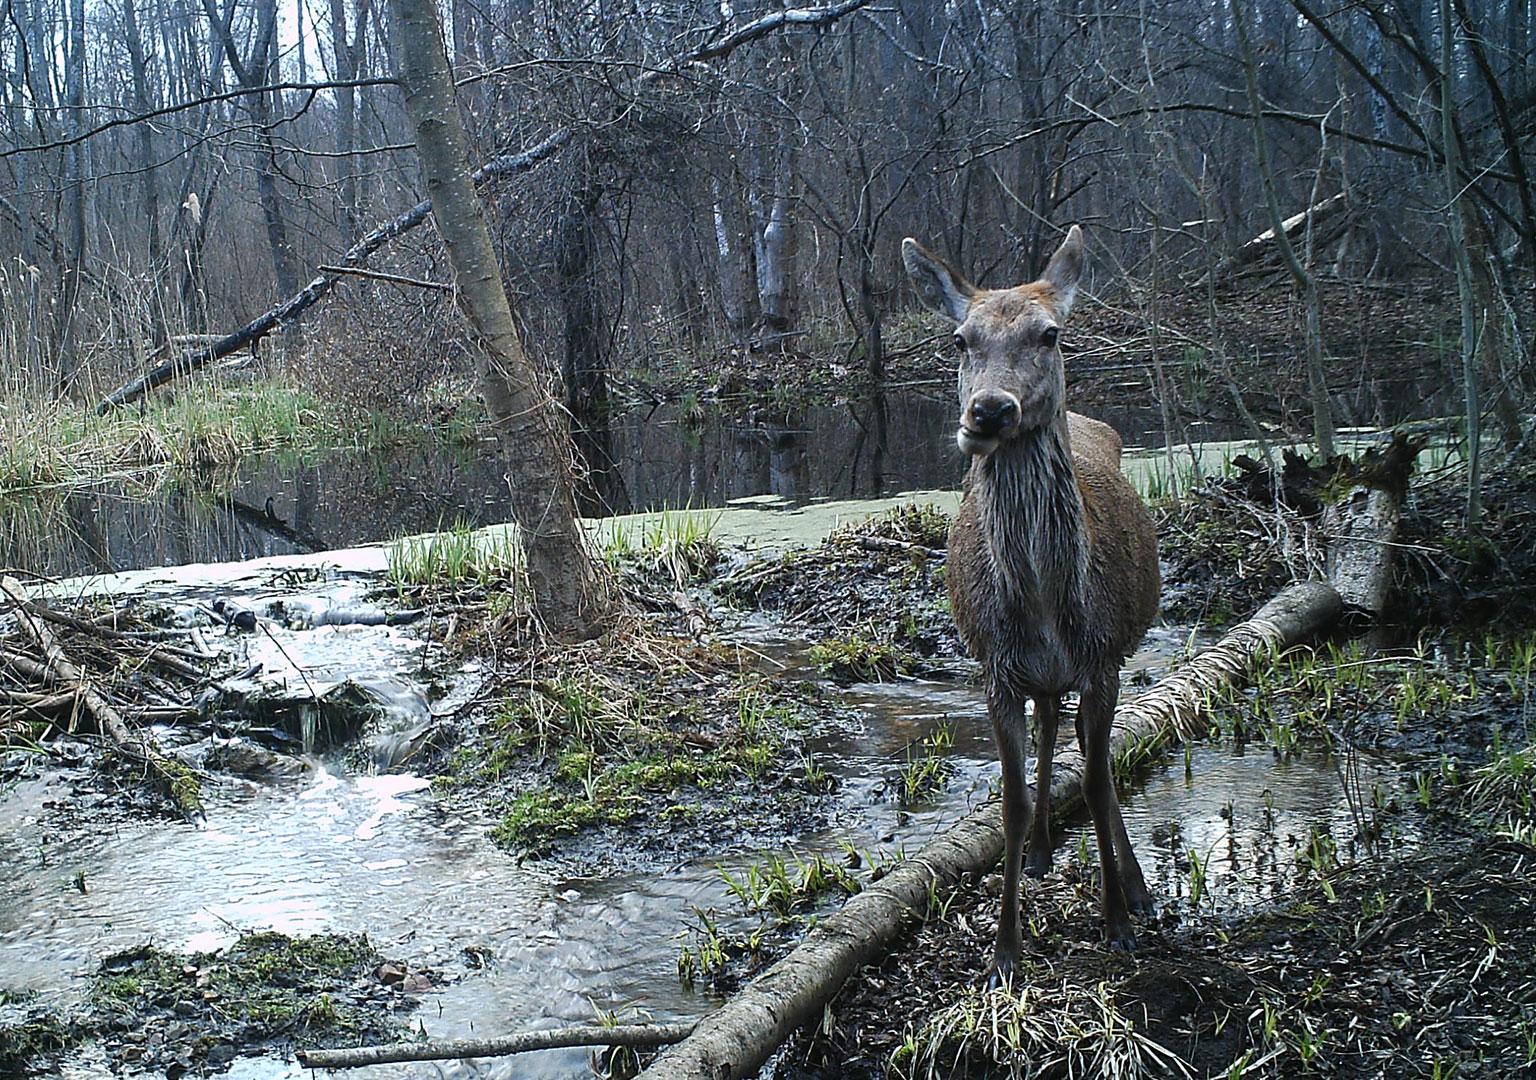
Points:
(1032, 516)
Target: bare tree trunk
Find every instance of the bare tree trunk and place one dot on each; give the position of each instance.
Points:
(149, 174)
(345, 55)
(734, 253)
(584, 366)
(570, 595)
(776, 250)
(74, 195)
(1317, 376)
(255, 71)
(1464, 288)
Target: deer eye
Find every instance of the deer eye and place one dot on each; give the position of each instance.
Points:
(1048, 339)
(958, 344)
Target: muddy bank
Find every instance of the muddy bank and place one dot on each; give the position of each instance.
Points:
(1396, 939)
(193, 1013)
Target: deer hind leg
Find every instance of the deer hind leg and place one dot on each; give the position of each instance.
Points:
(1095, 714)
(1047, 712)
(1137, 896)
(1012, 733)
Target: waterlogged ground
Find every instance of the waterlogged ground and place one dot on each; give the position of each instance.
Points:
(579, 875)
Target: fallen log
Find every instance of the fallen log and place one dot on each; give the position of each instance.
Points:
(1361, 525)
(1261, 245)
(735, 1040)
(632, 1035)
(301, 301)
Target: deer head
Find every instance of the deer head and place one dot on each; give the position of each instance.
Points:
(1011, 376)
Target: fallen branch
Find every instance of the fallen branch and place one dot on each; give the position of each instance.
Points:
(1264, 243)
(735, 1040)
(66, 673)
(291, 308)
(59, 670)
(497, 168)
(900, 547)
(633, 1035)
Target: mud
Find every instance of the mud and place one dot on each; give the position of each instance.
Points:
(193, 1013)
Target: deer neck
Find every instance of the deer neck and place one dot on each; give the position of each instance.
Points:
(1032, 515)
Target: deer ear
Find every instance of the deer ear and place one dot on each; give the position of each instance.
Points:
(938, 285)
(1065, 270)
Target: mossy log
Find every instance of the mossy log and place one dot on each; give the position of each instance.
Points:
(735, 1040)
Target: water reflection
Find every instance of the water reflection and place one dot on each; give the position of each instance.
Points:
(287, 503)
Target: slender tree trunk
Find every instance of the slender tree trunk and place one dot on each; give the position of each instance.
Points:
(570, 595)
(74, 200)
(345, 63)
(149, 175)
(256, 71)
(1317, 376)
(1464, 288)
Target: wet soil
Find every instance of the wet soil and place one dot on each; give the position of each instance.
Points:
(1403, 943)
(1398, 965)
(668, 738)
(872, 595)
(177, 1014)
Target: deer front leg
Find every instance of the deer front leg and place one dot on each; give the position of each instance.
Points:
(1047, 713)
(1095, 715)
(1011, 730)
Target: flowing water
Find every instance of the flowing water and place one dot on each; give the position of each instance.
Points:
(332, 850)
(336, 849)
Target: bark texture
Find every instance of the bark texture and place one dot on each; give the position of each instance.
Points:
(523, 1042)
(570, 595)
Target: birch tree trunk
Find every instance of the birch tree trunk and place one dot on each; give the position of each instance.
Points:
(570, 596)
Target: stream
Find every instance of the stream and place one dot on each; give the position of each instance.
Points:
(521, 945)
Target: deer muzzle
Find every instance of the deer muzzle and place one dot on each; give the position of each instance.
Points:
(988, 419)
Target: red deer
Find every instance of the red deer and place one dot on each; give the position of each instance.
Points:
(1053, 575)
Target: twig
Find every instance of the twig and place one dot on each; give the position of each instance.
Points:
(379, 275)
(584, 1035)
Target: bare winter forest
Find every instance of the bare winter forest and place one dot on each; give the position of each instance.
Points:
(708, 178)
(485, 568)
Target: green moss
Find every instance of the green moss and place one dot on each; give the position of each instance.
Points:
(858, 659)
(616, 794)
(275, 983)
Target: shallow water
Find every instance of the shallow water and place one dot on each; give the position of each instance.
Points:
(330, 851)
(287, 503)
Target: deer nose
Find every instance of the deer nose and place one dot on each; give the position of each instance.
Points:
(991, 414)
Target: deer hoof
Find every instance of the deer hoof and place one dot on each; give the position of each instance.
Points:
(1000, 974)
(1121, 940)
